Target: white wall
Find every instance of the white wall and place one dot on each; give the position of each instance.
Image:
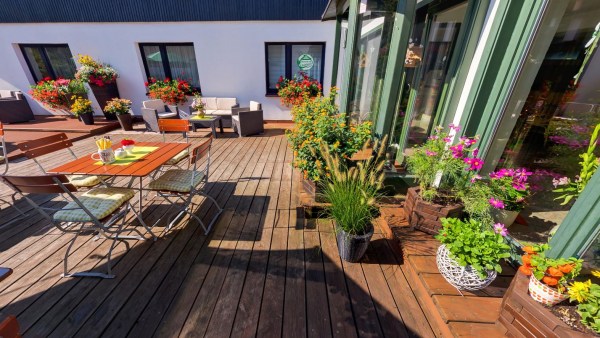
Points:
(230, 55)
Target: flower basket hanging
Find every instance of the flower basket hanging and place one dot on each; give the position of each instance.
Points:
(461, 277)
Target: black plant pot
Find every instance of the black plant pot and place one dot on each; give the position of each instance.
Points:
(126, 121)
(353, 247)
(104, 94)
(87, 118)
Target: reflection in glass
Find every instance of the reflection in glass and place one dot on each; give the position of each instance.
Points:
(182, 62)
(61, 62)
(439, 46)
(276, 63)
(370, 60)
(34, 56)
(316, 52)
(154, 62)
(558, 116)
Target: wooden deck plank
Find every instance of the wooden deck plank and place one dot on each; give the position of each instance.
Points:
(468, 309)
(294, 313)
(317, 307)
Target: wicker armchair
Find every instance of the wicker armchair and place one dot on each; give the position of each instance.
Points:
(248, 120)
(152, 110)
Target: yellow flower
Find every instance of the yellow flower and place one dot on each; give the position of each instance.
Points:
(596, 273)
(580, 291)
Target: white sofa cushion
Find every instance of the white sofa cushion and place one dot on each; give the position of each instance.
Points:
(166, 115)
(221, 112)
(255, 105)
(159, 105)
(5, 93)
(225, 103)
(210, 103)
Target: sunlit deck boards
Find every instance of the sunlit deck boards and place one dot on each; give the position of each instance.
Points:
(263, 271)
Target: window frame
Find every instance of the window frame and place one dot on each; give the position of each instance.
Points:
(162, 47)
(45, 58)
(288, 61)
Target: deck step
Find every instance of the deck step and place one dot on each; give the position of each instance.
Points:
(476, 330)
(468, 309)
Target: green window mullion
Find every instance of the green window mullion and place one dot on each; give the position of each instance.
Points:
(351, 37)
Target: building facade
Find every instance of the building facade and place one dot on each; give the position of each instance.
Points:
(523, 75)
(227, 48)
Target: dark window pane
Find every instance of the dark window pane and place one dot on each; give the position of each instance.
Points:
(61, 61)
(154, 62)
(38, 67)
(182, 62)
(276, 64)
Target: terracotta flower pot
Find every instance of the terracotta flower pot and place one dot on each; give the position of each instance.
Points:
(426, 216)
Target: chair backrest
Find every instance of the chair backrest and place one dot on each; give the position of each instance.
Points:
(47, 184)
(45, 145)
(9, 327)
(255, 105)
(3, 147)
(159, 105)
(177, 125)
(200, 151)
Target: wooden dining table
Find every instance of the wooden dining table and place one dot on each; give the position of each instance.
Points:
(134, 168)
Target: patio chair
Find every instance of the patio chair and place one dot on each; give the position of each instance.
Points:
(45, 145)
(248, 120)
(173, 125)
(4, 158)
(155, 110)
(182, 185)
(97, 211)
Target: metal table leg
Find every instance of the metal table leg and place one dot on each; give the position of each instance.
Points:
(214, 130)
(141, 195)
(221, 125)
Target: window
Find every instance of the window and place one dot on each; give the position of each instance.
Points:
(171, 60)
(288, 59)
(52, 61)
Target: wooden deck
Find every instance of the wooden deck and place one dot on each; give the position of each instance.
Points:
(263, 271)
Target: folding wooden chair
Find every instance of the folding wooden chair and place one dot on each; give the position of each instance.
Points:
(46, 145)
(4, 157)
(181, 185)
(175, 125)
(99, 210)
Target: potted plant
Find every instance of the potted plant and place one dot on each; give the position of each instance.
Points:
(169, 91)
(121, 108)
(549, 276)
(57, 94)
(294, 91)
(443, 170)
(198, 105)
(82, 108)
(317, 121)
(101, 79)
(351, 194)
(509, 189)
(470, 254)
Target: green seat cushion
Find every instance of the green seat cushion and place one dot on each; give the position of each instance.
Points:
(177, 180)
(177, 158)
(101, 202)
(84, 180)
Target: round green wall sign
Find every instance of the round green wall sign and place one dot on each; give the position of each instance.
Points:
(305, 62)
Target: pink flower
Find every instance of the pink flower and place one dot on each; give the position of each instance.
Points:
(430, 153)
(500, 228)
(496, 203)
(475, 152)
(474, 163)
(475, 178)
(561, 181)
(433, 137)
(454, 127)
(519, 186)
(447, 139)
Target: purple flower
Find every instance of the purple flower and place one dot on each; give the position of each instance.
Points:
(475, 152)
(433, 137)
(522, 174)
(467, 141)
(447, 139)
(561, 181)
(457, 150)
(430, 153)
(454, 127)
(496, 203)
(475, 178)
(500, 228)
(519, 185)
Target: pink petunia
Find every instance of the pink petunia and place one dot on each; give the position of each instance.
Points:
(496, 203)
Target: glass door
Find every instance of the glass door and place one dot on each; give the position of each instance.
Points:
(429, 74)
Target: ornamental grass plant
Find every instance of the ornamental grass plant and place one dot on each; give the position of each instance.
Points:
(352, 191)
(319, 121)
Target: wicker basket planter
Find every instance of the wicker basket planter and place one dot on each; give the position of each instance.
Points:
(461, 277)
(426, 216)
(545, 294)
(522, 316)
(353, 247)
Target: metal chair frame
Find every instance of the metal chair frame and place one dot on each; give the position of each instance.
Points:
(184, 207)
(59, 184)
(173, 125)
(6, 167)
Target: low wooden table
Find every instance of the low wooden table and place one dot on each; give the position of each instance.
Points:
(139, 168)
(209, 121)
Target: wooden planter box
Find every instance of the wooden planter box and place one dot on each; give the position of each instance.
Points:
(524, 317)
(425, 216)
(104, 94)
(312, 190)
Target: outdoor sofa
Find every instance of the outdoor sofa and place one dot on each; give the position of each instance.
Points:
(14, 107)
(220, 106)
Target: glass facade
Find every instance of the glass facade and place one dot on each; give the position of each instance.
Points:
(375, 23)
(556, 121)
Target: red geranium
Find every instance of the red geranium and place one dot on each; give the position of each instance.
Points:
(169, 91)
(293, 92)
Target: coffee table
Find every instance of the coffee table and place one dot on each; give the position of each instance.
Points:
(207, 121)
